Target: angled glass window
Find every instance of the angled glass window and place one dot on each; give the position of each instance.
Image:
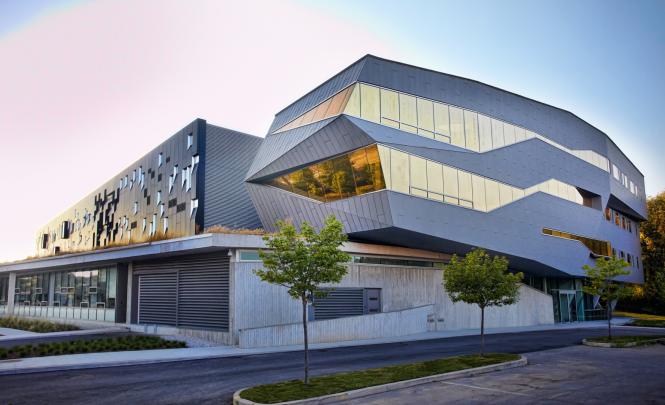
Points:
(598, 247)
(354, 173)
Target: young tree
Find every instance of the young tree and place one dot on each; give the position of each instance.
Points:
(652, 235)
(481, 280)
(602, 284)
(301, 261)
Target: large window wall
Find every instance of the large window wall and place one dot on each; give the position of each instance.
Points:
(410, 174)
(344, 176)
(377, 167)
(431, 119)
(83, 294)
(4, 293)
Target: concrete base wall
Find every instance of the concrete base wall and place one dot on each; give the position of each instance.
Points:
(221, 337)
(259, 304)
(387, 324)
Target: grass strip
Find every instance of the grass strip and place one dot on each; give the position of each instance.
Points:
(648, 323)
(335, 383)
(123, 343)
(646, 317)
(622, 341)
(34, 325)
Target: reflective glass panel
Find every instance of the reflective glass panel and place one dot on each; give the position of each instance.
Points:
(425, 114)
(434, 177)
(399, 171)
(441, 119)
(497, 134)
(418, 172)
(465, 189)
(407, 110)
(457, 127)
(484, 133)
(471, 130)
(450, 181)
(478, 193)
(370, 105)
(492, 194)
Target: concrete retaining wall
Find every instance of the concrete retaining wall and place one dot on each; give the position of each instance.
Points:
(386, 324)
(258, 304)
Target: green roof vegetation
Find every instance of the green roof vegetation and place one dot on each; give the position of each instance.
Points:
(336, 383)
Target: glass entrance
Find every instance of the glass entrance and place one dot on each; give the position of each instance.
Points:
(568, 305)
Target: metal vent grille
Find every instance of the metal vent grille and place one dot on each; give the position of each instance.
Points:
(157, 298)
(339, 302)
(187, 292)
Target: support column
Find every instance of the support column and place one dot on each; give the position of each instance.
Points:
(51, 288)
(130, 276)
(11, 287)
(232, 307)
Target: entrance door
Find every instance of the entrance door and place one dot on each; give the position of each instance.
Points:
(568, 310)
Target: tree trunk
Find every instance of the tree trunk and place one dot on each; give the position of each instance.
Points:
(609, 320)
(304, 328)
(482, 331)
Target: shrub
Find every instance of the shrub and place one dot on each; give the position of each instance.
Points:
(34, 325)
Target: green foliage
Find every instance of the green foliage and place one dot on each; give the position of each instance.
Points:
(652, 236)
(602, 279)
(123, 343)
(303, 261)
(649, 323)
(332, 384)
(482, 280)
(34, 325)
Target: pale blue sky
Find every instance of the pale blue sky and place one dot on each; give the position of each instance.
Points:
(122, 75)
(602, 60)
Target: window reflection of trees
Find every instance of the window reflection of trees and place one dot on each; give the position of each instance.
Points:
(344, 176)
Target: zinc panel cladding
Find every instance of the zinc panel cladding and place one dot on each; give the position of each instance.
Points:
(339, 303)
(186, 292)
(228, 156)
(319, 94)
(339, 136)
(274, 146)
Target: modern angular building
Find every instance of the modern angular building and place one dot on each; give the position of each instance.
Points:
(417, 164)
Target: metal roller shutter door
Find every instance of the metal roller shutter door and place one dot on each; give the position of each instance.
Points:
(198, 288)
(157, 298)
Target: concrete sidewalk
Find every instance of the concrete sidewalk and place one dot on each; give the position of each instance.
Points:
(114, 359)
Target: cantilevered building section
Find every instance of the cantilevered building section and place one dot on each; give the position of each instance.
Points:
(417, 164)
(410, 157)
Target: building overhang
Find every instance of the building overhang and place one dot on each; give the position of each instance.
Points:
(204, 243)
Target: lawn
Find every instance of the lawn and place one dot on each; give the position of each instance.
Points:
(33, 325)
(335, 383)
(646, 317)
(648, 323)
(110, 344)
(621, 341)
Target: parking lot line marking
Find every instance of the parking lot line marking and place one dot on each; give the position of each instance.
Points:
(486, 389)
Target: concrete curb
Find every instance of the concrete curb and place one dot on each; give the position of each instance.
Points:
(624, 345)
(377, 389)
(69, 333)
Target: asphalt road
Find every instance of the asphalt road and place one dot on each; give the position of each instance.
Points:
(215, 380)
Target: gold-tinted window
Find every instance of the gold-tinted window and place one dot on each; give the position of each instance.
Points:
(389, 108)
(370, 104)
(484, 133)
(344, 176)
(457, 127)
(399, 171)
(450, 182)
(471, 130)
(478, 193)
(598, 247)
(434, 177)
(418, 172)
(425, 115)
(441, 119)
(497, 134)
(407, 110)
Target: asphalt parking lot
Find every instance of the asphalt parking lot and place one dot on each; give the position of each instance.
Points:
(575, 374)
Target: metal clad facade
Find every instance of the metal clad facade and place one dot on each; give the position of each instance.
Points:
(228, 156)
(186, 292)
